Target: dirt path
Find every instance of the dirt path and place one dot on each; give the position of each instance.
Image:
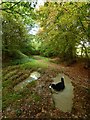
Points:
(76, 72)
(80, 79)
(36, 99)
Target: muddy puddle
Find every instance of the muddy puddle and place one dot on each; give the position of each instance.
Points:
(64, 99)
(33, 76)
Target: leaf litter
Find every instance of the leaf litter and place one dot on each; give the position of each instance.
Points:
(37, 102)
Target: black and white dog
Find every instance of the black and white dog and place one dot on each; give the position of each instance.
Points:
(59, 86)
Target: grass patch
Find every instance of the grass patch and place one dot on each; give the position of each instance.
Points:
(15, 74)
(33, 83)
(9, 97)
(41, 58)
(36, 97)
(34, 65)
(6, 83)
(20, 61)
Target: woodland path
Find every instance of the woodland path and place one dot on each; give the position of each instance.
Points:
(36, 99)
(76, 72)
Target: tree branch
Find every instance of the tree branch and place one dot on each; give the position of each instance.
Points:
(11, 6)
(15, 12)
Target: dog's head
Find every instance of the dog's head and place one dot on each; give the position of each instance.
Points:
(62, 79)
(52, 86)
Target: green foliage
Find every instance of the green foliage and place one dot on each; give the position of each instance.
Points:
(15, 38)
(64, 27)
(34, 64)
(16, 41)
(13, 33)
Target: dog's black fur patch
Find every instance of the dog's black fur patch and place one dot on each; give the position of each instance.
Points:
(59, 86)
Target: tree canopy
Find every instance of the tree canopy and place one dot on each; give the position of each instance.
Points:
(15, 33)
(64, 29)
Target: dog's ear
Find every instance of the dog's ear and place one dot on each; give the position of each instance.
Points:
(63, 77)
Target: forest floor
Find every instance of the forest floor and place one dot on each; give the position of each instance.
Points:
(35, 101)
